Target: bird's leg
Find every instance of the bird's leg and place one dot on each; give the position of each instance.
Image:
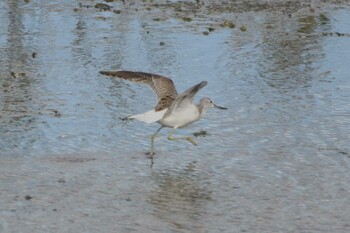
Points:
(190, 139)
(153, 137)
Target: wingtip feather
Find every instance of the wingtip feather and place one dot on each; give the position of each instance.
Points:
(204, 83)
(109, 72)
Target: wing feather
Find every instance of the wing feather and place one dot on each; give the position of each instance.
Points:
(162, 86)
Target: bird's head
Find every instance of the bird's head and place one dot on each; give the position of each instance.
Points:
(206, 103)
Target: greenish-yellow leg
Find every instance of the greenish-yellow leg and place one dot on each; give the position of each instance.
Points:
(153, 137)
(190, 139)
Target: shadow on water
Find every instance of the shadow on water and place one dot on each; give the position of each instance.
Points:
(291, 65)
(292, 54)
(19, 106)
(180, 198)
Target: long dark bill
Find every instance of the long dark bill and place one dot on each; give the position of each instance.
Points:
(219, 107)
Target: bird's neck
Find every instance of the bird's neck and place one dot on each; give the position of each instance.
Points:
(201, 109)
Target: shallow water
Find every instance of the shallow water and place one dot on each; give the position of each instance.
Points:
(276, 161)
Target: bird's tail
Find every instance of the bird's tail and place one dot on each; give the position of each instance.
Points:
(150, 116)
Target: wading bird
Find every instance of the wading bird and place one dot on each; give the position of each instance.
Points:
(172, 110)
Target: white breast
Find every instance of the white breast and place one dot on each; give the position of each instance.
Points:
(181, 117)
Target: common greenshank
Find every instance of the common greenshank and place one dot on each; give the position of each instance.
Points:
(172, 110)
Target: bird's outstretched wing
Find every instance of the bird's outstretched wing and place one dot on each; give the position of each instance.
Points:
(187, 96)
(162, 86)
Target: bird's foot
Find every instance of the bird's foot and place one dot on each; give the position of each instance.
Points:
(191, 141)
(150, 154)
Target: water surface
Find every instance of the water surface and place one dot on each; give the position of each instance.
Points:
(276, 161)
